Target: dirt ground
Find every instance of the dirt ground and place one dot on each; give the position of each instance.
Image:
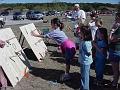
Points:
(46, 75)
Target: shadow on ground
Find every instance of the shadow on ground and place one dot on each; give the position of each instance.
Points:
(57, 56)
(30, 55)
(105, 86)
(54, 75)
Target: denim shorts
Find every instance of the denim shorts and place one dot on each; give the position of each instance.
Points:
(114, 56)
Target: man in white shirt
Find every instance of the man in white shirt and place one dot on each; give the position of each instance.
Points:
(78, 17)
(78, 14)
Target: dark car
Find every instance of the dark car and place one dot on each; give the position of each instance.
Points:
(4, 13)
(50, 13)
(18, 16)
(36, 15)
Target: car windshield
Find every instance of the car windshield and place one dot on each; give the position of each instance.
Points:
(37, 12)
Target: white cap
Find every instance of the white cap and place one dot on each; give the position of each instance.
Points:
(76, 5)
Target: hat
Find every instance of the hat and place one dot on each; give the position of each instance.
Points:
(76, 5)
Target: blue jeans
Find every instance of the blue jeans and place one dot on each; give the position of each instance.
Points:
(85, 72)
(100, 65)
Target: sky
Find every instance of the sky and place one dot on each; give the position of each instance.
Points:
(69, 1)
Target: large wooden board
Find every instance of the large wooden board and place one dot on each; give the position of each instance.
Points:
(13, 59)
(36, 43)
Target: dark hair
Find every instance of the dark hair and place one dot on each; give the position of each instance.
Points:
(93, 15)
(58, 23)
(86, 33)
(118, 14)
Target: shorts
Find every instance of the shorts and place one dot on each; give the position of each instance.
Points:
(114, 56)
(69, 55)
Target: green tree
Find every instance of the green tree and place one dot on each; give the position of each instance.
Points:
(87, 7)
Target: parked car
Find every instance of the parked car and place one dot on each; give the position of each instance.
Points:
(4, 13)
(36, 15)
(50, 13)
(18, 16)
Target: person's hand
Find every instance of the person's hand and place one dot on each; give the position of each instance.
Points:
(2, 44)
(35, 33)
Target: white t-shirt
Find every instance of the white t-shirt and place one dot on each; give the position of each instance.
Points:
(93, 29)
(79, 15)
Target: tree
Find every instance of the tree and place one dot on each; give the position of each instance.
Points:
(87, 7)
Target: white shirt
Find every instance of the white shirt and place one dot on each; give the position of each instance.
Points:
(93, 29)
(79, 14)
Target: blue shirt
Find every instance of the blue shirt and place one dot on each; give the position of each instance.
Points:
(101, 44)
(57, 35)
(85, 49)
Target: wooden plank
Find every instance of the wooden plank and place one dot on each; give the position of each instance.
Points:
(8, 68)
(36, 43)
(14, 57)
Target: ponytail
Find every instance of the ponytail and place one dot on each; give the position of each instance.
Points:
(58, 23)
(61, 26)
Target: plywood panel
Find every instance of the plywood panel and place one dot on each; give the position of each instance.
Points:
(14, 61)
(36, 43)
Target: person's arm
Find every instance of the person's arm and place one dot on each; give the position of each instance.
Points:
(95, 45)
(113, 37)
(39, 34)
(35, 33)
(87, 49)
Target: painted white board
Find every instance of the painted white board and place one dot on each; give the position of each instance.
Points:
(14, 62)
(7, 67)
(36, 43)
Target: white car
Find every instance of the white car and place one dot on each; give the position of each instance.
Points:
(36, 15)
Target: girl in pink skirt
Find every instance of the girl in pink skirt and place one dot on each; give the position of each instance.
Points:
(67, 46)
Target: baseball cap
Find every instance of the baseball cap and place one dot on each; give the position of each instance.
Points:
(76, 5)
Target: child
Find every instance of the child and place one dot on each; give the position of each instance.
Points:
(67, 46)
(100, 43)
(85, 55)
(93, 29)
(3, 80)
(114, 49)
(92, 25)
